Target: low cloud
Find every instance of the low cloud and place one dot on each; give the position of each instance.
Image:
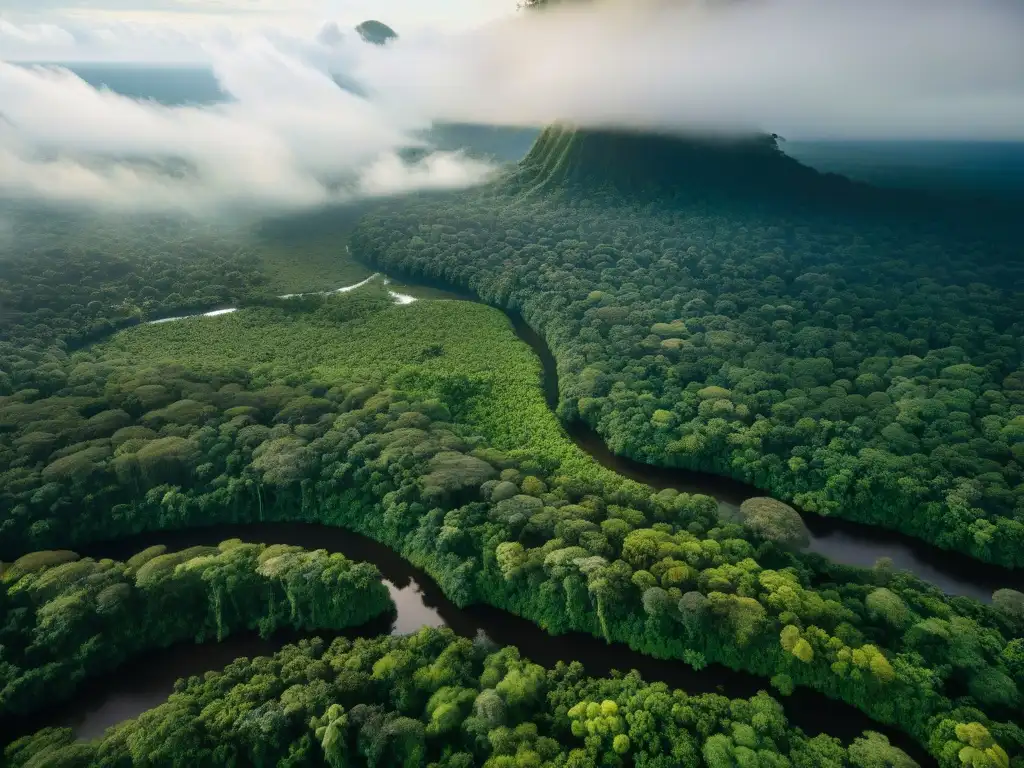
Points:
(33, 35)
(807, 68)
(288, 137)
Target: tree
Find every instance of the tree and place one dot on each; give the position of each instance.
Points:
(979, 749)
(167, 459)
(283, 462)
(888, 606)
(1010, 602)
(775, 521)
(332, 736)
(873, 750)
(452, 471)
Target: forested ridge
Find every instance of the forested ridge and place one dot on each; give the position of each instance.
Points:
(860, 363)
(321, 411)
(434, 699)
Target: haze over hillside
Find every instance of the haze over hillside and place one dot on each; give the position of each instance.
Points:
(950, 70)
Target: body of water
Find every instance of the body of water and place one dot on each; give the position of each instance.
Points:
(149, 680)
(841, 541)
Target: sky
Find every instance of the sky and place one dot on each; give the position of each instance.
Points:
(806, 69)
(82, 30)
(293, 13)
(288, 138)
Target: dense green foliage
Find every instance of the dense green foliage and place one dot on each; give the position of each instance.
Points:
(432, 699)
(710, 308)
(65, 618)
(70, 278)
(120, 425)
(424, 427)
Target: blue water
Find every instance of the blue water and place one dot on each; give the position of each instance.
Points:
(940, 166)
(169, 85)
(974, 167)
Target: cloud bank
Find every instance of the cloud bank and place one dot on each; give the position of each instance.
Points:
(289, 137)
(931, 69)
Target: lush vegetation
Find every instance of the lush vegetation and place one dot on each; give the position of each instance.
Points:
(67, 618)
(123, 425)
(707, 310)
(431, 699)
(424, 427)
(68, 278)
(712, 307)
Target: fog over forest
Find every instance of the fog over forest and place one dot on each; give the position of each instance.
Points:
(288, 136)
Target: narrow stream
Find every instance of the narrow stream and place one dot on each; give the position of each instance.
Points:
(841, 541)
(148, 681)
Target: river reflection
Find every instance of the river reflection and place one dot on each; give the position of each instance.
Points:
(841, 541)
(145, 683)
(148, 682)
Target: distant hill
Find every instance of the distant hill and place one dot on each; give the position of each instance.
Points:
(978, 169)
(376, 32)
(981, 169)
(666, 169)
(655, 164)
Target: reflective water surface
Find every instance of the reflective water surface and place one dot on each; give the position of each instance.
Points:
(148, 681)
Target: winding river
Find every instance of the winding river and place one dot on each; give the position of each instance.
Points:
(149, 680)
(840, 541)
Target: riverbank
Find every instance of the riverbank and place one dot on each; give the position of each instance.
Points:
(419, 602)
(838, 541)
(437, 335)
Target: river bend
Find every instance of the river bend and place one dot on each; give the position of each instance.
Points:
(841, 541)
(147, 681)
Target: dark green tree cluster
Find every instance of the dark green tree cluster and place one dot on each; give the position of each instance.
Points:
(865, 363)
(431, 699)
(170, 448)
(67, 278)
(65, 618)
